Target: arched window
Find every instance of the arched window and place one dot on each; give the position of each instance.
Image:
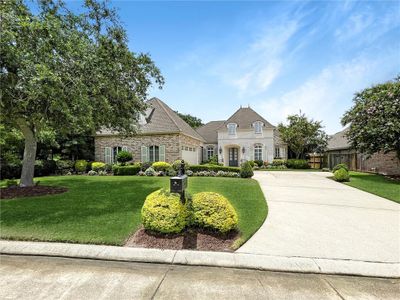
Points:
(232, 128)
(258, 152)
(210, 152)
(154, 153)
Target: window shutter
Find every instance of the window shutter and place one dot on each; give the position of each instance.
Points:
(124, 148)
(265, 153)
(145, 154)
(107, 155)
(251, 148)
(161, 153)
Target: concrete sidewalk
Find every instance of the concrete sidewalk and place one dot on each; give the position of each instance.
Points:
(60, 278)
(311, 216)
(202, 258)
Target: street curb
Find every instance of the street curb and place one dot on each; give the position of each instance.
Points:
(203, 258)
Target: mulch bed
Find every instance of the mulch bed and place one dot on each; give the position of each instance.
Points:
(195, 239)
(30, 191)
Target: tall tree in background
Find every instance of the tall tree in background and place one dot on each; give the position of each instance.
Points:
(375, 119)
(303, 135)
(67, 72)
(193, 121)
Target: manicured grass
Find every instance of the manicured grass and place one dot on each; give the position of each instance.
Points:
(294, 170)
(106, 209)
(376, 184)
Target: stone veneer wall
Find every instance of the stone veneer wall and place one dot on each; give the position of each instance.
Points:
(171, 142)
(387, 164)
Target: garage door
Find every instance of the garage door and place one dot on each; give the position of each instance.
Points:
(190, 156)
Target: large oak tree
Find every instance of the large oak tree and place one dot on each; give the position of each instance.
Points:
(70, 72)
(375, 119)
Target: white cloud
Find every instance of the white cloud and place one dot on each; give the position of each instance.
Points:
(320, 96)
(356, 24)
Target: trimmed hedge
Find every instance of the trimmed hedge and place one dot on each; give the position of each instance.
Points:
(98, 166)
(126, 170)
(214, 211)
(341, 175)
(123, 157)
(297, 164)
(215, 168)
(164, 212)
(161, 166)
(80, 165)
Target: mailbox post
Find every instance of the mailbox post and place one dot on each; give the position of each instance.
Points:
(178, 184)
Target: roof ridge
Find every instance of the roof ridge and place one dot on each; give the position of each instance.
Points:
(169, 115)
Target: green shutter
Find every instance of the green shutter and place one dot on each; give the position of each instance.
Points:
(107, 155)
(144, 154)
(161, 152)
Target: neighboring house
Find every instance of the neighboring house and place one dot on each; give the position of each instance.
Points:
(339, 151)
(244, 136)
(162, 136)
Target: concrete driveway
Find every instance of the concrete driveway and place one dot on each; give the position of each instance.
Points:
(313, 216)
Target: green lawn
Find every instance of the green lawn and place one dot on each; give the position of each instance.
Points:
(376, 184)
(106, 210)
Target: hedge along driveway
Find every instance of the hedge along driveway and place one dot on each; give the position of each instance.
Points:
(106, 209)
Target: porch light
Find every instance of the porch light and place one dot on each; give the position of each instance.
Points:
(220, 150)
(243, 149)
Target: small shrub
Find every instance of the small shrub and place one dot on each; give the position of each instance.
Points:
(177, 165)
(251, 162)
(340, 166)
(189, 173)
(161, 166)
(212, 210)
(126, 170)
(123, 157)
(279, 162)
(297, 164)
(213, 161)
(98, 166)
(64, 166)
(141, 173)
(145, 165)
(108, 168)
(150, 172)
(92, 173)
(80, 166)
(259, 163)
(341, 175)
(45, 167)
(246, 171)
(102, 173)
(171, 172)
(11, 183)
(164, 212)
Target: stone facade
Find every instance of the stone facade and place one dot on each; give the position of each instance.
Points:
(134, 144)
(177, 146)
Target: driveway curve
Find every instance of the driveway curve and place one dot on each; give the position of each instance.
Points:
(313, 216)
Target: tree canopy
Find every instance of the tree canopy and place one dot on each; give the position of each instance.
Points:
(375, 119)
(69, 72)
(303, 135)
(193, 121)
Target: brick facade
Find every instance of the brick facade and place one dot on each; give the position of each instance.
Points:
(173, 145)
(387, 164)
(171, 142)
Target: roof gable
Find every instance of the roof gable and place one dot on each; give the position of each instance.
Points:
(338, 141)
(244, 117)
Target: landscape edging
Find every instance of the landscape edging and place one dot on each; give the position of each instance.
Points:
(203, 258)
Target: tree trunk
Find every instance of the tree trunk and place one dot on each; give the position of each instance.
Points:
(28, 163)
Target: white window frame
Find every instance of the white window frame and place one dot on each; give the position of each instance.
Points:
(210, 152)
(153, 152)
(232, 128)
(258, 127)
(258, 152)
(277, 152)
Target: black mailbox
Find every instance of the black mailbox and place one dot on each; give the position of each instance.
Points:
(178, 184)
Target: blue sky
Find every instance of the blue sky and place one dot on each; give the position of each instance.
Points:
(277, 57)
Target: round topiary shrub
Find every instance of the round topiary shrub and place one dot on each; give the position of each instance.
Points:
(123, 157)
(212, 210)
(341, 175)
(164, 212)
(246, 171)
(161, 166)
(340, 166)
(98, 166)
(80, 166)
(150, 172)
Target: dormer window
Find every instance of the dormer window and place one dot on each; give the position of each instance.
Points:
(232, 128)
(258, 127)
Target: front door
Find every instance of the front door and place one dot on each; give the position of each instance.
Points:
(233, 157)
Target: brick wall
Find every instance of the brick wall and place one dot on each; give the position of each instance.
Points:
(171, 142)
(387, 164)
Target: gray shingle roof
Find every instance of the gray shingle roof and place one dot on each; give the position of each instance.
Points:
(244, 117)
(338, 141)
(209, 131)
(162, 119)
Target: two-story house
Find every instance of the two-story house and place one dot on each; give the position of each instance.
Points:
(244, 136)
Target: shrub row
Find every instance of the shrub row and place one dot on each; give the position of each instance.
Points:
(126, 170)
(215, 168)
(164, 212)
